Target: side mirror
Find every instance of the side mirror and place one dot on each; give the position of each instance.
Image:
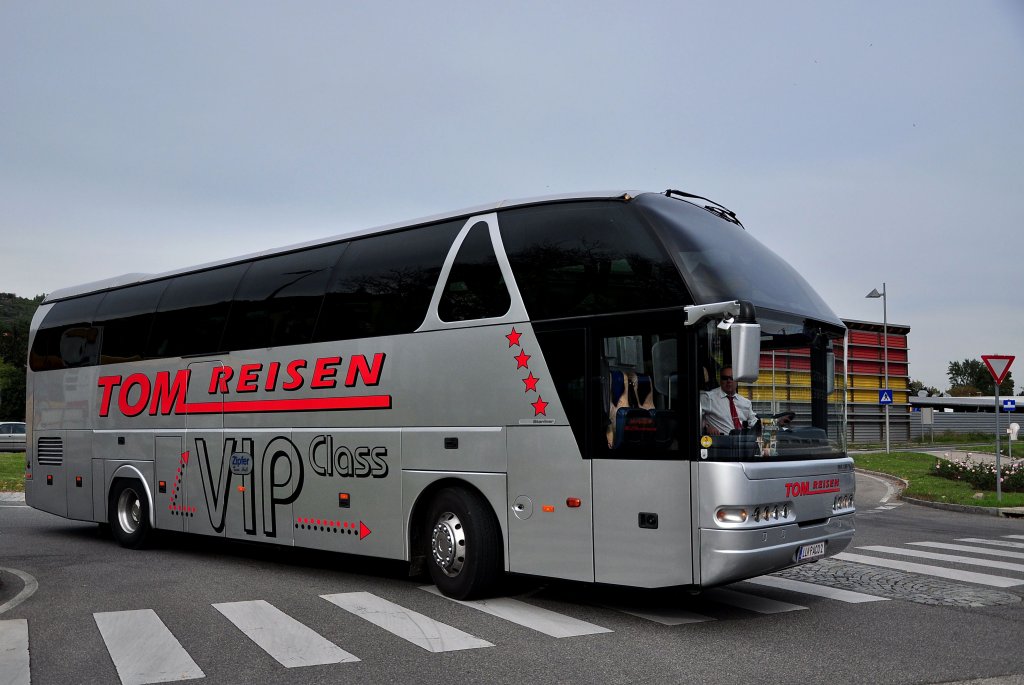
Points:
(746, 351)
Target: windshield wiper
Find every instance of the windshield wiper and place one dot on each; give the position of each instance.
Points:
(716, 208)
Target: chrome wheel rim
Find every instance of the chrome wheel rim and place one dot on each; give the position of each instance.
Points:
(448, 544)
(129, 511)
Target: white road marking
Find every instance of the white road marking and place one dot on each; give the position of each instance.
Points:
(28, 589)
(529, 616)
(742, 600)
(14, 659)
(924, 569)
(952, 558)
(848, 596)
(291, 643)
(143, 649)
(418, 629)
(997, 543)
(970, 548)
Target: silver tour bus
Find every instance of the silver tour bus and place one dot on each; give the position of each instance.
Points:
(515, 388)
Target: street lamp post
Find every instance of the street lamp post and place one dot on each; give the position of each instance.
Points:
(885, 351)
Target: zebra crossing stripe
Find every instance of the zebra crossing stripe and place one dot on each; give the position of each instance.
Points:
(954, 558)
(742, 600)
(924, 569)
(529, 616)
(848, 596)
(997, 543)
(969, 548)
(143, 649)
(291, 643)
(14, 659)
(409, 625)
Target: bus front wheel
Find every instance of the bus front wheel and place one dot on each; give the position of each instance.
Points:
(464, 544)
(129, 514)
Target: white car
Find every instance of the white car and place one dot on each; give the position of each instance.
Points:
(12, 437)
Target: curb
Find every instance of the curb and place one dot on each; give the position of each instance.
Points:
(1007, 512)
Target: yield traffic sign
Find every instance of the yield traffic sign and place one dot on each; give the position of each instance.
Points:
(998, 365)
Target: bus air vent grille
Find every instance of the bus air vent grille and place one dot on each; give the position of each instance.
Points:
(50, 452)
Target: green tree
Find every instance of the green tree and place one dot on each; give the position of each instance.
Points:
(917, 386)
(15, 321)
(971, 376)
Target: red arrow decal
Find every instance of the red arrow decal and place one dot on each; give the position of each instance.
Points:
(363, 530)
(184, 457)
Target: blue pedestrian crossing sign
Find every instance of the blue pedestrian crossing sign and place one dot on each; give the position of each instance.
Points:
(1009, 405)
(885, 396)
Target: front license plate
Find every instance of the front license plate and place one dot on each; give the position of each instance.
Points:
(808, 552)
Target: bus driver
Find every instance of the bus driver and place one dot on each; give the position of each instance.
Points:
(722, 410)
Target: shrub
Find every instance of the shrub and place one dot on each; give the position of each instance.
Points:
(982, 475)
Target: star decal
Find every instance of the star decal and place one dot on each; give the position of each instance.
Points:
(531, 382)
(539, 407)
(522, 360)
(513, 338)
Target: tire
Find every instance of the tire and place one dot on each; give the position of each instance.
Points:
(128, 514)
(463, 544)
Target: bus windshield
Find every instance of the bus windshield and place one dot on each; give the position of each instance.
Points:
(721, 261)
(793, 411)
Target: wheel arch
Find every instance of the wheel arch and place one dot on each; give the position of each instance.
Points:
(489, 487)
(130, 472)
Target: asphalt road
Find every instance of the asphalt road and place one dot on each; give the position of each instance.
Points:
(98, 608)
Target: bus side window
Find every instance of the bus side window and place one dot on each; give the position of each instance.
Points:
(64, 339)
(126, 315)
(475, 288)
(278, 301)
(382, 285)
(192, 312)
(565, 354)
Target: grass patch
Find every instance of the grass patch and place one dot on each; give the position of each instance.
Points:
(919, 469)
(12, 472)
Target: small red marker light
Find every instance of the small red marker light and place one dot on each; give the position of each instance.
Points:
(344, 500)
(573, 502)
(548, 508)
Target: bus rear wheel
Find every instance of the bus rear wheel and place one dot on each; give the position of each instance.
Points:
(463, 544)
(128, 514)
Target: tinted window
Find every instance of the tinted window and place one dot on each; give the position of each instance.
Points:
(576, 259)
(721, 261)
(475, 288)
(383, 284)
(565, 353)
(66, 337)
(278, 301)
(192, 313)
(125, 317)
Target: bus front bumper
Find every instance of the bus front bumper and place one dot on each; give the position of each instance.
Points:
(731, 555)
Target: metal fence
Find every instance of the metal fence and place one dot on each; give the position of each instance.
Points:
(963, 422)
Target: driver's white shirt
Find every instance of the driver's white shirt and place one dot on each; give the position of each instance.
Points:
(714, 410)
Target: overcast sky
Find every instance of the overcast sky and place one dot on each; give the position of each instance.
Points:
(866, 142)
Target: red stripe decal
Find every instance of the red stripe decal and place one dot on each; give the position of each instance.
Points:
(311, 404)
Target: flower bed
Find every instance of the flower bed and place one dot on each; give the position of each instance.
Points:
(982, 474)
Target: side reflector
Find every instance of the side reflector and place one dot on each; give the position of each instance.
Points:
(344, 500)
(573, 502)
(548, 508)
(78, 481)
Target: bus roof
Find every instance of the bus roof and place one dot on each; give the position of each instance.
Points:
(133, 278)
